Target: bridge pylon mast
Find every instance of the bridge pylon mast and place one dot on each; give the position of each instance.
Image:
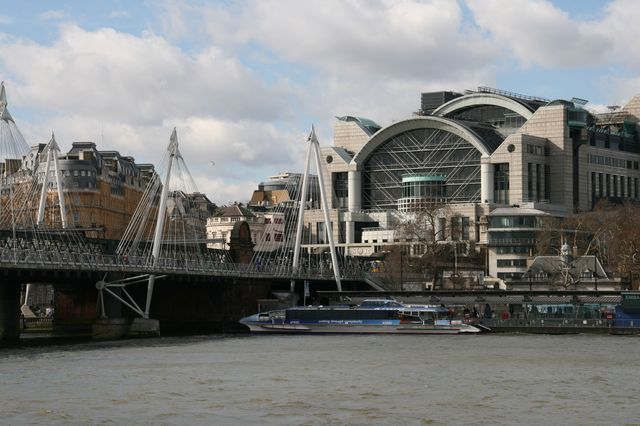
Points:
(313, 150)
(52, 150)
(157, 235)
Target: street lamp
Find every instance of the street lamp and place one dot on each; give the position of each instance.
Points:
(401, 265)
(529, 275)
(595, 271)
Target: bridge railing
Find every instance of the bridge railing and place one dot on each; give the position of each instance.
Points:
(63, 260)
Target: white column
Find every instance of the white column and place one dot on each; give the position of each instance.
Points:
(351, 230)
(486, 182)
(354, 184)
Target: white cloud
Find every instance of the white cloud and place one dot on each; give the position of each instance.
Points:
(620, 26)
(142, 80)
(407, 39)
(540, 33)
(52, 15)
(126, 93)
(369, 58)
(115, 14)
(5, 19)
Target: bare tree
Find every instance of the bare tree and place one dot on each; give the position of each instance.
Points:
(609, 231)
(424, 231)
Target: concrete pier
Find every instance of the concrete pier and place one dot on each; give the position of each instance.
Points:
(9, 311)
(144, 327)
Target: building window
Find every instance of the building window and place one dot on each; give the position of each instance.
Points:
(608, 184)
(512, 263)
(441, 233)
(547, 182)
(600, 184)
(538, 178)
(340, 190)
(615, 185)
(455, 228)
(321, 233)
(529, 181)
(501, 183)
(465, 228)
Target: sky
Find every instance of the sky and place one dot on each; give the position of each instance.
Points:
(243, 81)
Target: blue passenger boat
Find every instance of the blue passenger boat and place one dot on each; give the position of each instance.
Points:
(373, 316)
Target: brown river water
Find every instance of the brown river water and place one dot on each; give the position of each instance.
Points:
(326, 380)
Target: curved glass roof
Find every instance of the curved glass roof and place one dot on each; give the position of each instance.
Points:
(369, 126)
(421, 154)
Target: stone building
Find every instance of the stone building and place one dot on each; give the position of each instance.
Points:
(499, 161)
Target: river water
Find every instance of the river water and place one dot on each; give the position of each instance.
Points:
(326, 380)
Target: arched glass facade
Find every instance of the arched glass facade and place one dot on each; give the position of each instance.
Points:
(502, 119)
(424, 152)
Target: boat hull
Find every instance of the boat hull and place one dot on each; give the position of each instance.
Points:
(285, 328)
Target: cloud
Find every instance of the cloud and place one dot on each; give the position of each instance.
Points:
(52, 15)
(541, 34)
(126, 92)
(370, 58)
(5, 20)
(620, 26)
(141, 80)
(406, 39)
(115, 14)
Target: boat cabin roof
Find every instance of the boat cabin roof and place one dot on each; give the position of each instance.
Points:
(381, 303)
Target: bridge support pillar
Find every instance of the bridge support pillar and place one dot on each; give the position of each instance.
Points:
(9, 311)
(75, 309)
(111, 328)
(144, 327)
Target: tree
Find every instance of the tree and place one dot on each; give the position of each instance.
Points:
(425, 230)
(609, 231)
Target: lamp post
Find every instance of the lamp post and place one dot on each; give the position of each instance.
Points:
(595, 271)
(401, 265)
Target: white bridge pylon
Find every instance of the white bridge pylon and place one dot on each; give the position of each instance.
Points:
(166, 229)
(162, 209)
(52, 151)
(313, 150)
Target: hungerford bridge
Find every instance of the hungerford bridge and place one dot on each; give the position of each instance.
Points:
(165, 240)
